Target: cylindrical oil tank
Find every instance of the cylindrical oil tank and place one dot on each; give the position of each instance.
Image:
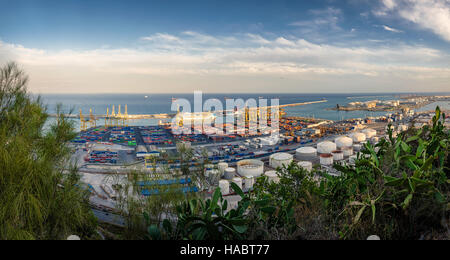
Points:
(249, 181)
(348, 151)
(369, 132)
(272, 176)
(326, 159)
(358, 137)
(343, 141)
(280, 160)
(238, 181)
(357, 147)
(229, 173)
(254, 168)
(306, 153)
(306, 165)
(338, 155)
(326, 147)
(222, 166)
(224, 186)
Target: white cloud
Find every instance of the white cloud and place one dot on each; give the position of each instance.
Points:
(161, 36)
(164, 57)
(390, 29)
(322, 17)
(390, 4)
(433, 15)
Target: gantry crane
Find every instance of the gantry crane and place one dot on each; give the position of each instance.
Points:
(83, 125)
(92, 119)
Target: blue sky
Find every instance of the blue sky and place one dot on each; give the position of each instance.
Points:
(235, 46)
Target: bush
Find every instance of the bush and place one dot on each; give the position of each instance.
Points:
(37, 200)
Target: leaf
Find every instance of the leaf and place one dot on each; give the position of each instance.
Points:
(439, 197)
(154, 232)
(262, 203)
(240, 229)
(358, 216)
(411, 139)
(356, 203)
(269, 210)
(412, 186)
(405, 147)
(167, 226)
(217, 195)
(392, 181)
(407, 201)
(237, 189)
(411, 165)
(372, 203)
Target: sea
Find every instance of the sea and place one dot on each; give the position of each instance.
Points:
(162, 103)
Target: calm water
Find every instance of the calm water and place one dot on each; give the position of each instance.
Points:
(161, 103)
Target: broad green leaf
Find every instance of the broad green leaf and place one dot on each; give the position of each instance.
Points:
(237, 189)
(411, 139)
(240, 229)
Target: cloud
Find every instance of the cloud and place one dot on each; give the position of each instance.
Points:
(328, 17)
(161, 36)
(433, 15)
(390, 4)
(390, 29)
(162, 58)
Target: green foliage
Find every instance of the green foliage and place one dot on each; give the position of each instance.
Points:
(212, 219)
(39, 198)
(398, 188)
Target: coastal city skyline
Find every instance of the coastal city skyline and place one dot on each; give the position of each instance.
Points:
(229, 47)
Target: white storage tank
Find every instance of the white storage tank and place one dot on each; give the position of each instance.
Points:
(338, 155)
(369, 133)
(229, 173)
(222, 166)
(280, 160)
(343, 141)
(224, 186)
(248, 183)
(358, 137)
(238, 181)
(306, 165)
(306, 153)
(326, 159)
(254, 168)
(326, 147)
(348, 151)
(272, 176)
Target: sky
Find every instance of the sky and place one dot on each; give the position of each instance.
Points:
(245, 46)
